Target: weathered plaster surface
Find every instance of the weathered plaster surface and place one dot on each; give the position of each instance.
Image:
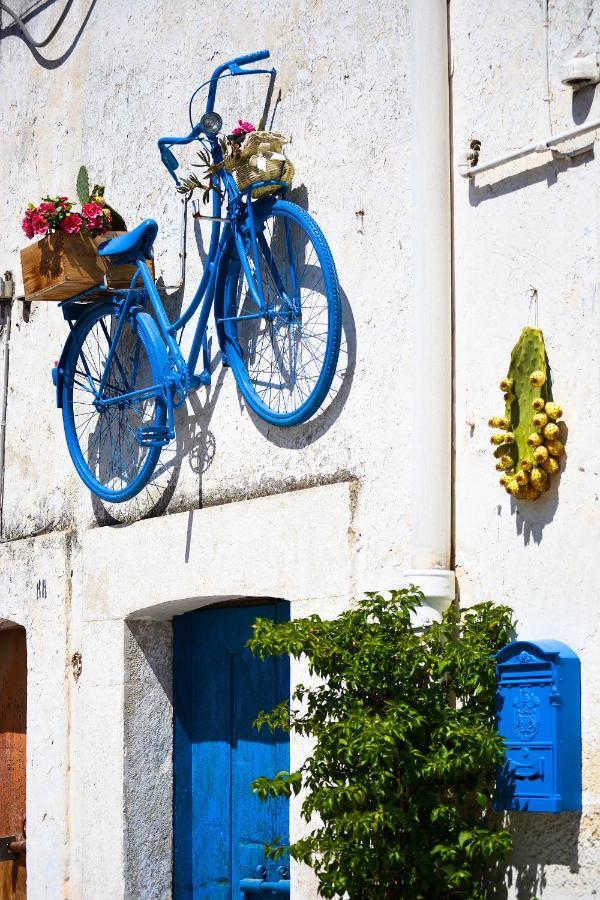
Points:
(531, 226)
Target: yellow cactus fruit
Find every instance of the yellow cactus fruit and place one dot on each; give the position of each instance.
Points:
(508, 398)
(551, 432)
(505, 480)
(504, 463)
(538, 404)
(540, 420)
(551, 466)
(555, 448)
(529, 494)
(539, 479)
(498, 439)
(513, 486)
(553, 411)
(522, 479)
(526, 465)
(506, 385)
(540, 455)
(537, 378)
(534, 440)
(498, 422)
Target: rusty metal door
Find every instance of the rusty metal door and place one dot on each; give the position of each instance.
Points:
(13, 721)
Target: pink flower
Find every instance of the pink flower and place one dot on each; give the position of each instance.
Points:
(27, 226)
(71, 224)
(39, 224)
(93, 216)
(243, 128)
(44, 208)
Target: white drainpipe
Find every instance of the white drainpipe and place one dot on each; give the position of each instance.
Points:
(432, 335)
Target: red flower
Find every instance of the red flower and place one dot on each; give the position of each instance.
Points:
(243, 128)
(93, 216)
(44, 208)
(27, 226)
(71, 224)
(39, 224)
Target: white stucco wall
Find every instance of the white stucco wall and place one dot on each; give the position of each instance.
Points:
(531, 225)
(340, 486)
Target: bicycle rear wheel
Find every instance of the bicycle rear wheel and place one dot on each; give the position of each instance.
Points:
(104, 441)
(284, 356)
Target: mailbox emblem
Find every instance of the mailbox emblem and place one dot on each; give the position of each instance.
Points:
(527, 715)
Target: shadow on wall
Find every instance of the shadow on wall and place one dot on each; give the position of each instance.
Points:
(22, 31)
(540, 840)
(548, 172)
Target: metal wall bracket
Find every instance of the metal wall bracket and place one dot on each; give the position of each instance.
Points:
(5, 852)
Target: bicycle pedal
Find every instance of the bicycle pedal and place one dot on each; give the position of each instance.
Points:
(153, 436)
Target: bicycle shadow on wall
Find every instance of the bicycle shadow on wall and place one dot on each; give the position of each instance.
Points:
(303, 435)
(18, 27)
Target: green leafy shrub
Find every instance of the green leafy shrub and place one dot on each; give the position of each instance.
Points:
(399, 784)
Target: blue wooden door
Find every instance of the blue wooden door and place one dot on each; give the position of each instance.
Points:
(220, 828)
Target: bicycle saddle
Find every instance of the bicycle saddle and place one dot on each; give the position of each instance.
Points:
(127, 246)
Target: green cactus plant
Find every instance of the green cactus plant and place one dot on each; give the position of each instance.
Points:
(528, 408)
(83, 185)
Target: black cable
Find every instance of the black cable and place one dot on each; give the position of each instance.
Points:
(26, 34)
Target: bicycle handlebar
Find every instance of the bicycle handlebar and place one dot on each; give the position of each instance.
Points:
(168, 158)
(234, 66)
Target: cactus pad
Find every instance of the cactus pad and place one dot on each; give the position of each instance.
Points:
(527, 390)
(83, 185)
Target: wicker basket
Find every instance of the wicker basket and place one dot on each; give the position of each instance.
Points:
(261, 159)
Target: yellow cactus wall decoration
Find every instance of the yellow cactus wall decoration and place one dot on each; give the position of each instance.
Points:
(528, 443)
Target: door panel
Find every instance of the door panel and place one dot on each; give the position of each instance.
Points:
(220, 828)
(13, 723)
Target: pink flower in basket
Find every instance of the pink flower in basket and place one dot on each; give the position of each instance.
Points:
(243, 128)
(71, 224)
(39, 224)
(93, 216)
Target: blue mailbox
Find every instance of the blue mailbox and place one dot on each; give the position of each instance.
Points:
(539, 716)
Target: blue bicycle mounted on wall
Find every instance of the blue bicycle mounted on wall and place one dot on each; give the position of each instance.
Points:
(271, 279)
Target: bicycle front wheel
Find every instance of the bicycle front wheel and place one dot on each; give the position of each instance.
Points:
(104, 441)
(284, 355)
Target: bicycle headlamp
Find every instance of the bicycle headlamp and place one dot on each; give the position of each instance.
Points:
(211, 123)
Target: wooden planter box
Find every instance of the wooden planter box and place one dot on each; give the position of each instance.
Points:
(63, 265)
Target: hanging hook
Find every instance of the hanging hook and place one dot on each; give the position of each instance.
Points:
(533, 301)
